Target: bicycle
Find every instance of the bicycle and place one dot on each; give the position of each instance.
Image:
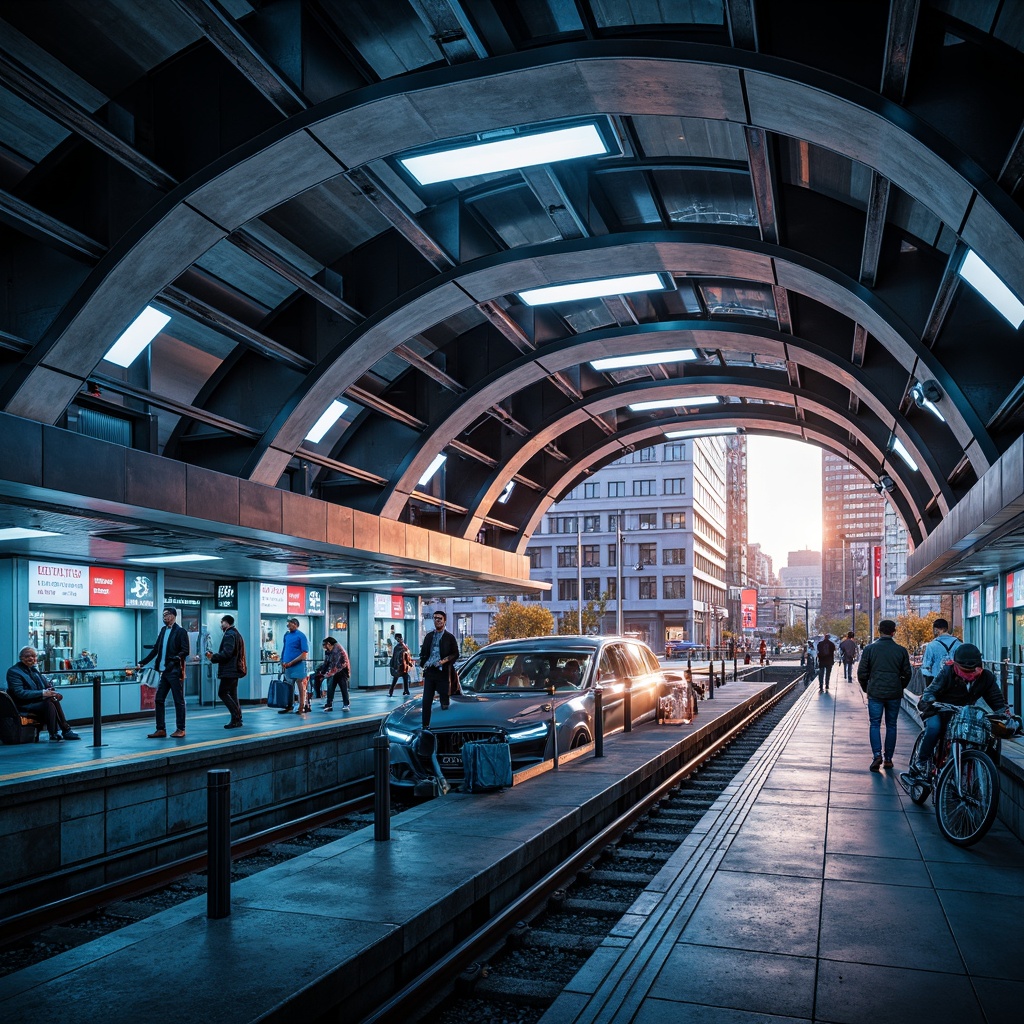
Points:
(963, 773)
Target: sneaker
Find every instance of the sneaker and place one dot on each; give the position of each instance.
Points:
(345, 707)
(70, 734)
(876, 764)
(233, 725)
(56, 738)
(887, 763)
(285, 711)
(178, 734)
(160, 734)
(327, 707)
(921, 769)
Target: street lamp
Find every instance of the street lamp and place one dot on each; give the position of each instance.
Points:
(796, 604)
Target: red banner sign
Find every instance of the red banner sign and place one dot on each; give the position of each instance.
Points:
(748, 608)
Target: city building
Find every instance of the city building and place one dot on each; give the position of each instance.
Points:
(852, 514)
(736, 577)
(669, 502)
(800, 588)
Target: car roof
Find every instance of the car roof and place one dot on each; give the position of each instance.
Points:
(555, 642)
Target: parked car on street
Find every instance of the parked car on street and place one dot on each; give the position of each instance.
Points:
(680, 648)
(511, 689)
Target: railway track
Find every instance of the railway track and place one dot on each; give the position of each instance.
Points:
(510, 971)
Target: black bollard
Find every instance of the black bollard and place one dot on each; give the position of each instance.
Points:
(598, 722)
(688, 664)
(218, 843)
(97, 711)
(627, 708)
(381, 789)
(711, 680)
(735, 669)
(722, 677)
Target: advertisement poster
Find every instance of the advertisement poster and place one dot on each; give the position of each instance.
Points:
(89, 586)
(748, 608)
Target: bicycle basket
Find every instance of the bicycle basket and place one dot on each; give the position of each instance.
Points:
(969, 725)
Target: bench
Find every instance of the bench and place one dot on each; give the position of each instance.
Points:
(17, 726)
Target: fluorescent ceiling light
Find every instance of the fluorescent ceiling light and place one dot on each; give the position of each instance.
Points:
(330, 416)
(142, 330)
(420, 590)
(679, 355)
(980, 276)
(674, 403)
(506, 154)
(435, 465)
(171, 559)
(507, 493)
(375, 583)
(24, 533)
(709, 432)
(901, 450)
(593, 289)
(316, 575)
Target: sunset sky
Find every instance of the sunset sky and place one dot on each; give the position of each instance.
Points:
(784, 496)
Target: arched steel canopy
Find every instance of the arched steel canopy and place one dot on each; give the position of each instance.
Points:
(811, 201)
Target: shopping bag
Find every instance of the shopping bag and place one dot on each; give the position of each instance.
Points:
(281, 693)
(149, 680)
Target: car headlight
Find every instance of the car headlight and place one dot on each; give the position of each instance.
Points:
(397, 735)
(533, 732)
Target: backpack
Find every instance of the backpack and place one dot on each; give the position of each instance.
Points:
(242, 666)
(398, 659)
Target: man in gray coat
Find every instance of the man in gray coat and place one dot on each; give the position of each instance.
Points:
(883, 673)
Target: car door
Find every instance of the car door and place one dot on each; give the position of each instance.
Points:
(611, 673)
(636, 677)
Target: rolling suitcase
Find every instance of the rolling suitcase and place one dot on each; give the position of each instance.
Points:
(486, 766)
(281, 693)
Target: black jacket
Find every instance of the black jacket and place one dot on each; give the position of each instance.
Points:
(449, 649)
(26, 686)
(177, 648)
(226, 659)
(948, 688)
(884, 669)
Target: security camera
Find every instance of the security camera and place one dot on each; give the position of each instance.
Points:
(924, 392)
(885, 483)
(639, 567)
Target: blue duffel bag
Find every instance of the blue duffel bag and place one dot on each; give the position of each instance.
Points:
(486, 766)
(280, 693)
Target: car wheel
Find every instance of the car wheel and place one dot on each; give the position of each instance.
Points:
(580, 739)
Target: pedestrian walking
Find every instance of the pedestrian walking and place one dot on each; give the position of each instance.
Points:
(337, 672)
(230, 662)
(168, 655)
(939, 651)
(810, 663)
(848, 652)
(763, 651)
(826, 659)
(883, 674)
(401, 666)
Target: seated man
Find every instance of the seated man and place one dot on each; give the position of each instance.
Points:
(33, 695)
(962, 681)
(571, 674)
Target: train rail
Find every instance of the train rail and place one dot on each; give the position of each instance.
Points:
(524, 956)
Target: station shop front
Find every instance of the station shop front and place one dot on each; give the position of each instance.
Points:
(393, 615)
(279, 602)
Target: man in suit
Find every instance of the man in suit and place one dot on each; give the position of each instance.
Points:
(438, 653)
(230, 667)
(169, 654)
(32, 693)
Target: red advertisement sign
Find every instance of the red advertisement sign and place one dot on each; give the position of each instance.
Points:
(748, 608)
(876, 572)
(397, 606)
(106, 587)
(1010, 602)
(296, 600)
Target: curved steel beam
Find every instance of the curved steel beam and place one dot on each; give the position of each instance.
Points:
(558, 356)
(585, 79)
(613, 447)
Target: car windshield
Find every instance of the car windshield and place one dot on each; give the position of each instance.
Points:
(512, 672)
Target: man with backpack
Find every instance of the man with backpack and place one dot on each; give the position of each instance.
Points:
(938, 652)
(231, 666)
(401, 666)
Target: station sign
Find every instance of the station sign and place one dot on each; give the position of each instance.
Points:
(89, 586)
(285, 599)
(226, 596)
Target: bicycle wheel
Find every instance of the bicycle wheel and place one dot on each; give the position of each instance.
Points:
(919, 791)
(966, 816)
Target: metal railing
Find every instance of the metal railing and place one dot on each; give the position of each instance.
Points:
(1008, 674)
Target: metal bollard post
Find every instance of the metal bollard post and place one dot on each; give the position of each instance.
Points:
(97, 712)
(627, 708)
(381, 789)
(218, 843)
(722, 677)
(598, 722)
(688, 665)
(711, 680)
(735, 669)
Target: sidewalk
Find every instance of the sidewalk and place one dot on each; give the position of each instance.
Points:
(815, 890)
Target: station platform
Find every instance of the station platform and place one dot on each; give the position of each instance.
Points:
(815, 890)
(349, 923)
